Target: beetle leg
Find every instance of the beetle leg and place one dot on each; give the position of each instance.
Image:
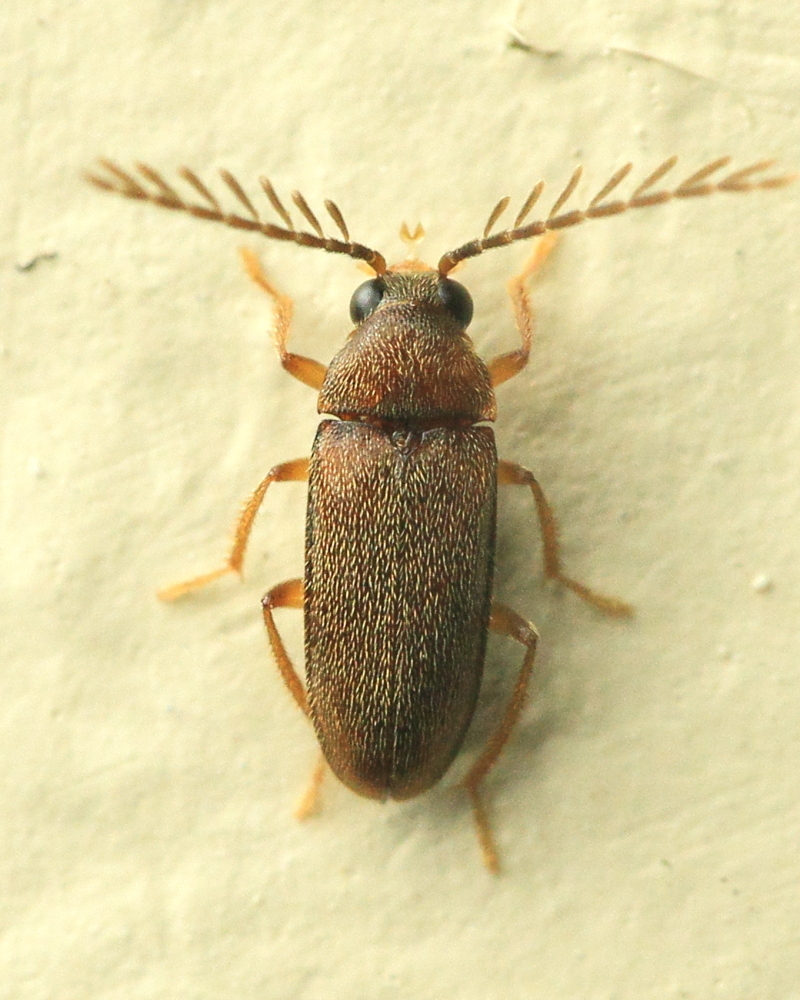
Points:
(308, 803)
(295, 471)
(511, 474)
(305, 370)
(505, 622)
(288, 594)
(506, 366)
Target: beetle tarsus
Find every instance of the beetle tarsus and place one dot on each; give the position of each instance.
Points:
(308, 804)
(177, 590)
(608, 605)
(491, 858)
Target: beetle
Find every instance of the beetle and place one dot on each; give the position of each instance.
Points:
(402, 484)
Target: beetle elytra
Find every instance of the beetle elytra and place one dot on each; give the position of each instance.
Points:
(400, 530)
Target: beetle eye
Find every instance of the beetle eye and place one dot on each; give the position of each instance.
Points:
(456, 300)
(366, 299)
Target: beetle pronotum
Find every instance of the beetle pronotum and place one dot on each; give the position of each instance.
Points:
(400, 532)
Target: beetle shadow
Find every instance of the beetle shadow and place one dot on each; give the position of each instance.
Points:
(550, 710)
(543, 715)
(446, 810)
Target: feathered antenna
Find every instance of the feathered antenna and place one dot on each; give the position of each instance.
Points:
(156, 190)
(695, 186)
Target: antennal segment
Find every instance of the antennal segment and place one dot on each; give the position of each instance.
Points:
(159, 192)
(696, 185)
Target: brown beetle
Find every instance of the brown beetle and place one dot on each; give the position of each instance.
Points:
(400, 531)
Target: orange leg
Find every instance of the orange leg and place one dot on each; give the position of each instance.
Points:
(290, 595)
(505, 622)
(308, 804)
(506, 366)
(508, 473)
(305, 370)
(295, 471)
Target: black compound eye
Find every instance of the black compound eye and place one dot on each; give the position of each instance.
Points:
(366, 299)
(456, 300)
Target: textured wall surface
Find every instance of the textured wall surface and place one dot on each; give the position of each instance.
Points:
(647, 806)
